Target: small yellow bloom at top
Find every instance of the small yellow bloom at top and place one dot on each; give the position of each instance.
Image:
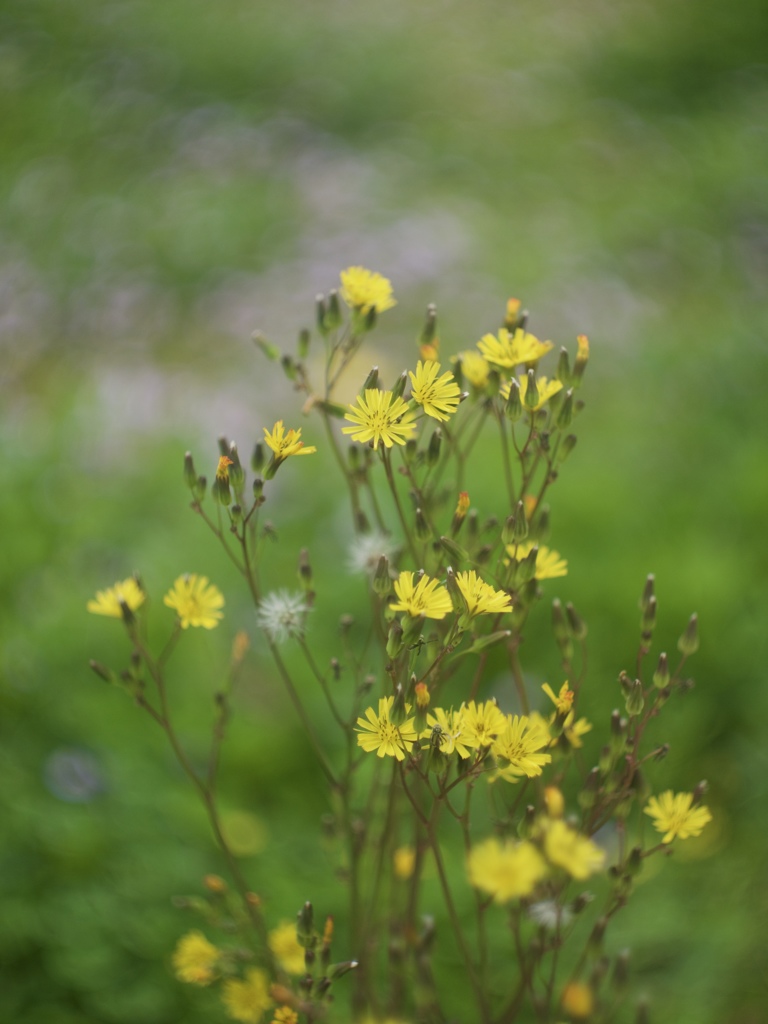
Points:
(573, 730)
(108, 602)
(364, 290)
(674, 815)
(404, 861)
(462, 506)
(505, 870)
(377, 732)
(474, 368)
(240, 646)
(380, 416)
(563, 701)
(285, 1015)
(566, 848)
(582, 354)
(285, 946)
(421, 692)
(284, 445)
(214, 883)
(513, 312)
(549, 564)
(577, 1000)
(194, 959)
(438, 396)
(510, 350)
(247, 1000)
(481, 597)
(222, 470)
(546, 388)
(427, 597)
(430, 349)
(195, 601)
(518, 749)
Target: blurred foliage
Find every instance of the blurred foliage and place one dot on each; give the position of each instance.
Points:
(177, 174)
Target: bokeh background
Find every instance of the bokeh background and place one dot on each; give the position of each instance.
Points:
(177, 174)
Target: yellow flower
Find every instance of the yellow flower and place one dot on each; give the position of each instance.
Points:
(438, 396)
(285, 1015)
(427, 598)
(577, 1000)
(481, 598)
(107, 602)
(673, 814)
(474, 368)
(380, 417)
(404, 861)
(566, 848)
(573, 730)
(545, 387)
(222, 469)
(563, 701)
(194, 959)
(549, 564)
(482, 723)
(247, 1000)
(582, 354)
(364, 290)
(284, 944)
(505, 870)
(378, 733)
(518, 748)
(448, 727)
(195, 601)
(510, 350)
(283, 444)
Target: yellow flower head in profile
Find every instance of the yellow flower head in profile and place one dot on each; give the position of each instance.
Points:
(447, 728)
(109, 602)
(438, 396)
(563, 701)
(194, 959)
(427, 597)
(474, 368)
(568, 849)
(284, 445)
(380, 416)
(510, 350)
(505, 870)
(285, 946)
(481, 598)
(674, 815)
(377, 732)
(519, 748)
(247, 1000)
(285, 1015)
(222, 469)
(195, 601)
(482, 723)
(574, 729)
(549, 564)
(546, 388)
(364, 290)
(577, 1000)
(404, 861)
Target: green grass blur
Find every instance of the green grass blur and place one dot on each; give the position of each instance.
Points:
(175, 175)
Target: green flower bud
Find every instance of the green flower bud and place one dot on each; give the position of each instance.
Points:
(661, 675)
(369, 320)
(435, 443)
(566, 447)
(303, 346)
(304, 926)
(190, 476)
(258, 487)
(371, 381)
(587, 798)
(689, 642)
(563, 372)
(399, 385)
(289, 367)
(635, 702)
(305, 570)
(333, 316)
(532, 392)
(236, 472)
(321, 314)
(258, 458)
(454, 591)
(648, 619)
(422, 528)
(620, 977)
(648, 591)
(565, 415)
(220, 491)
(456, 553)
(382, 581)
(513, 409)
(394, 639)
(235, 516)
(223, 444)
(101, 671)
(200, 488)
(399, 711)
(576, 624)
(429, 330)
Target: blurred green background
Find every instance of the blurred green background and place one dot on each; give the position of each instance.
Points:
(176, 174)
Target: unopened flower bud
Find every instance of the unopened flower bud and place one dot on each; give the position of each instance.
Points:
(563, 372)
(422, 528)
(454, 592)
(399, 711)
(399, 385)
(700, 792)
(565, 415)
(394, 639)
(634, 700)
(369, 319)
(634, 863)
(532, 396)
(258, 487)
(513, 408)
(371, 381)
(566, 447)
(429, 330)
(190, 476)
(320, 314)
(382, 581)
(200, 488)
(661, 675)
(606, 760)
(223, 444)
(258, 458)
(304, 925)
(455, 552)
(235, 516)
(643, 1015)
(462, 507)
(588, 796)
(648, 618)
(333, 316)
(595, 941)
(435, 443)
(305, 570)
(101, 671)
(289, 366)
(410, 449)
(303, 345)
(648, 591)
(620, 977)
(689, 642)
(526, 568)
(576, 624)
